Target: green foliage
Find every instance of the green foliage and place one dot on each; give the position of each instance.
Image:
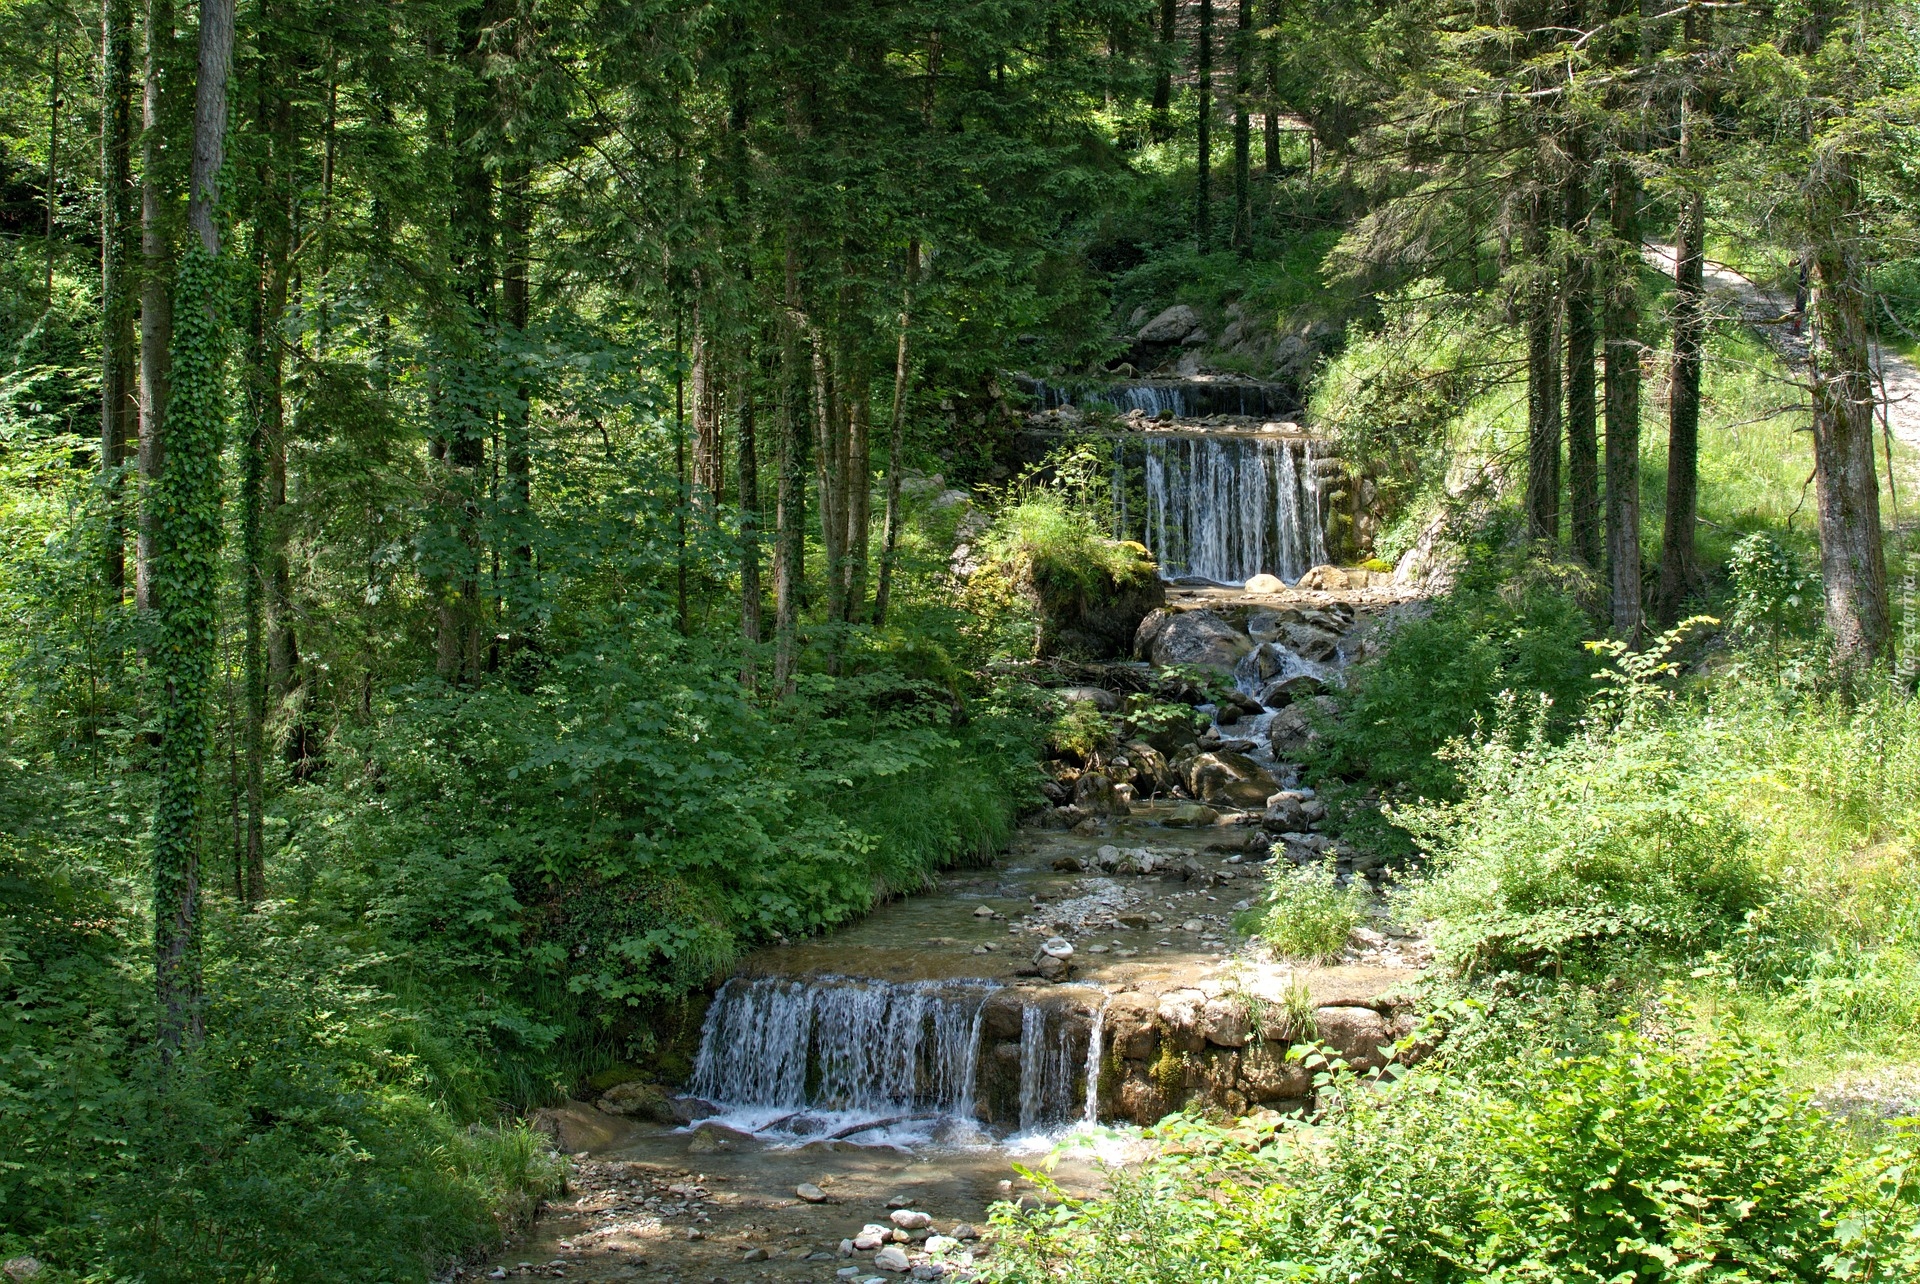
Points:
(1307, 914)
(1638, 1161)
(1517, 630)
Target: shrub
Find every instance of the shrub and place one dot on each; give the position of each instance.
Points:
(1638, 1162)
(1308, 913)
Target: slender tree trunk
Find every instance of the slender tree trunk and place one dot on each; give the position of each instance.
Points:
(789, 521)
(1203, 134)
(1583, 440)
(683, 492)
(1543, 373)
(118, 408)
(749, 471)
(1271, 69)
(53, 158)
(516, 219)
(1678, 570)
(896, 441)
(1243, 129)
(156, 299)
(188, 558)
(1621, 336)
(1853, 568)
(1163, 83)
(826, 456)
(859, 488)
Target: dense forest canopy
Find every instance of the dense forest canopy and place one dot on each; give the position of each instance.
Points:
(510, 504)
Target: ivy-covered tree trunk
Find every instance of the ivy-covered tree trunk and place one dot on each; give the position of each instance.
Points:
(157, 171)
(187, 554)
(119, 413)
(516, 428)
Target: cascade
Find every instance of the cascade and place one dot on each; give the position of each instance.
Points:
(1184, 399)
(1096, 1046)
(1047, 1069)
(1229, 507)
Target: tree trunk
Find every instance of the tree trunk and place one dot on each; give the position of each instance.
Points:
(1203, 134)
(1543, 373)
(858, 482)
(1243, 129)
(749, 471)
(1163, 83)
(896, 440)
(1271, 131)
(156, 299)
(53, 158)
(1621, 335)
(1678, 571)
(789, 519)
(1853, 568)
(1583, 440)
(516, 439)
(188, 558)
(826, 459)
(118, 407)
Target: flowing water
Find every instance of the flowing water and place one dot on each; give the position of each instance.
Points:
(1226, 508)
(1182, 398)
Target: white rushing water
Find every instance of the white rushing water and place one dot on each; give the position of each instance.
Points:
(1048, 1072)
(823, 1056)
(1227, 508)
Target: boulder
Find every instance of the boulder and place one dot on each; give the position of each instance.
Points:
(1286, 812)
(1149, 629)
(1151, 773)
(577, 1126)
(712, 1139)
(1281, 692)
(1131, 1028)
(1200, 638)
(1265, 584)
(1170, 326)
(1292, 731)
(637, 1100)
(1192, 815)
(811, 1193)
(1323, 578)
(1271, 626)
(1357, 1034)
(1095, 794)
(1313, 642)
(1229, 777)
(1269, 1076)
(892, 1258)
(1099, 697)
(1225, 1023)
(908, 1219)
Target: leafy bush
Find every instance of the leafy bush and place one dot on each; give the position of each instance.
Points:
(1441, 677)
(1637, 1162)
(1307, 914)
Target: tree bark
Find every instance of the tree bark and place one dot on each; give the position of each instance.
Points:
(749, 472)
(896, 440)
(1203, 133)
(516, 439)
(1853, 567)
(1621, 337)
(858, 483)
(789, 519)
(188, 557)
(1678, 570)
(1583, 441)
(1163, 83)
(1271, 130)
(53, 159)
(1543, 372)
(156, 299)
(1243, 129)
(119, 408)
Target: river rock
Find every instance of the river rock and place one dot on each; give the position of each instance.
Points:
(941, 1243)
(1230, 778)
(1281, 692)
(1200, 638)
(1058, 947)
(1151, 774)
(1313, 642)
(709, 1139)
(1096, 795)
(1225, 1023)
(1099, 697)
(1286, 812)
(1292, 731)
(1357, 1034)
(810, 1192)
(908, 1219)
(576, 1126)
(1323, 578)
(892, 1258)
(1265, 584)
(871, 1237)
(1270, 626)
(638, 1100)
(1170, 326)
(1192, 815)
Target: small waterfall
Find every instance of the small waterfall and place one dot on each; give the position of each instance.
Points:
(1047, 1069)
(850, 1047)
(1096, 1048)
(1227, 508)
(1183, 399)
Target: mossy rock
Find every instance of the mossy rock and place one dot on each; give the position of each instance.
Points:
(615, 1075)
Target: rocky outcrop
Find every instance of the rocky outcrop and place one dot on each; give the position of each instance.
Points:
(1191, 637)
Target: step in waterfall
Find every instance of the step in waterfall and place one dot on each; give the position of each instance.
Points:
(798, 1059)
(1183, 398)
(1227, 507)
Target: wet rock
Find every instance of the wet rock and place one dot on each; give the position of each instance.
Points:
(1292, 730)
(892, 1258)
(810, 1192)
(754, 1255)
(908, 1219)
(1313, 642)
(1095, 795)
(1230, 778)
(1151, 771)
(984, 911)
(1069, 864)
(1200, 638)
(711, 1139)
(637, 1100)
(1281, 692)
(1270, 626)
(1285, 812)
(1192, 815)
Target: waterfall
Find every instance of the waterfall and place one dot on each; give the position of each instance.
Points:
(1047, 1070)
(1184, 399)
(1096, 1047)
(1227, 508)
(865, 1048)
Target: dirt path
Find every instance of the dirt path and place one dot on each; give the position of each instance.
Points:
(1733, 296)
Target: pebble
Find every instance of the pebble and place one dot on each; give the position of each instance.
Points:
(1193, 925)
(810, 1192)
(909, 1220)
(985, 911)
(892, 1258)
(755, 1255)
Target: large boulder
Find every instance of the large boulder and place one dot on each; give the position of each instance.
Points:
(1227, 777)
(1096, 794)
(1292, 728)
(1170, 326)
(1151, 771)
(1199, 638)
(1357, 1034)
(576, 1126)
(637, 1100)
(1324, 578)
